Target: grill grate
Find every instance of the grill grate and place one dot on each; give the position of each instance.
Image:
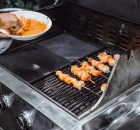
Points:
(73, 101)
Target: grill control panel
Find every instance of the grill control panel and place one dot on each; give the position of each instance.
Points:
(17, 114)
(6, 101)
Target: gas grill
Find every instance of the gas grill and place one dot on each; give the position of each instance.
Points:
(32, 96)
(76, 102)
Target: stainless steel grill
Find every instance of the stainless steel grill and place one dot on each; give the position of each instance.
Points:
(42, 101)
(73, 101)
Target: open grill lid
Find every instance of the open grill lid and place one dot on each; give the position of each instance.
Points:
(125, 75)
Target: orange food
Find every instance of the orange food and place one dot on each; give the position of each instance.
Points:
(31, 26)
(90, 69)
(103, 87)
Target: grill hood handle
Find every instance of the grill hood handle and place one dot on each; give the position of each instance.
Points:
(119, 110)
(50, 4)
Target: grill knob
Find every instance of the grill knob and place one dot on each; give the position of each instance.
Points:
(6, 101)
(24, 120)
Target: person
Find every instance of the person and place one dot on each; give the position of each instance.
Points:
(10, 23)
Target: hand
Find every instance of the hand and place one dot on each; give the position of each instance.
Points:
(10, 23)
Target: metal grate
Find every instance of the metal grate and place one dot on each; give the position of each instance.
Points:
(73, 101)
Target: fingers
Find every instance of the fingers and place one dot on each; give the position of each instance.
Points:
(14, 29)
(16, 25)
(11, 22)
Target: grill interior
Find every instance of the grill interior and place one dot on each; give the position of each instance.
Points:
(95, 26)
(73, 101)
(89, 26)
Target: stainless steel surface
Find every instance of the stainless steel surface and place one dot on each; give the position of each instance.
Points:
(8, 99)
(42, 104)
(126, 73)
(62, 118)
(25, 119)
(23, 113)
(121, 100)
(108, 119)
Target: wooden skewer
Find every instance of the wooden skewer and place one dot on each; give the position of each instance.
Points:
(102, 63)
(101, 74)
(99, 92)
(91, 91)
(90, 80)
(104, 76)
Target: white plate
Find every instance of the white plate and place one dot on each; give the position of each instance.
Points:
(35, 15)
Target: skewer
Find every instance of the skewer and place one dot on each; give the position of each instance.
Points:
(103, 86)
(108, 58)
(99, 92)
(101, 74)
(89, 79)
(92, 81)
(104, 76)
(81, 87)
(91, 91)
(102, 63)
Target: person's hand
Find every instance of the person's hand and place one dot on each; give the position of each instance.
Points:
(10, 23)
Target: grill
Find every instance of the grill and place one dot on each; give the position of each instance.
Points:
(78, 103)
(78, 32)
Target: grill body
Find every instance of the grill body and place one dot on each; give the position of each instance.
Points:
(78, 103)
(77, 32)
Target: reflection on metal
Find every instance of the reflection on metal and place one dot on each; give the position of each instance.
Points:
(5, 44)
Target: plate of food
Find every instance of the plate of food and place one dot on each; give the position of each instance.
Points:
(34, 24)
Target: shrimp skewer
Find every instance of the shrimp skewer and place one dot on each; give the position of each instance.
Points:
(70, 80)
(99, 65)
(77, 84)
(106, 58)
(81, 74)
(90, 69)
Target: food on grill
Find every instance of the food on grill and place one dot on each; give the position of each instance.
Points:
(90, 69)
(106, 58)
(70, 80)
(103, 87)
(99, 65)
(80, 73)
(31, 26)
(116, 57)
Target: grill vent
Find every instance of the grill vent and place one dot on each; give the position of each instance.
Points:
(95, 26)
